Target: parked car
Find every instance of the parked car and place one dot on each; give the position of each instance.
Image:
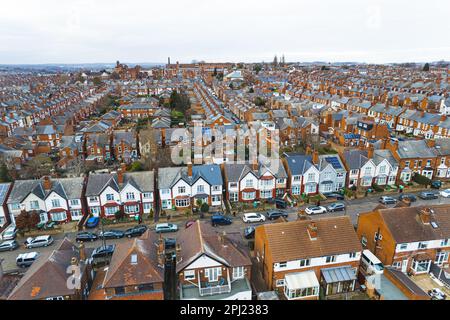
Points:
(103, 252)
(388, 200)
(410, 197)
(281, 204)
(136, 231)
(219, 220)
(436, 184)
(253, 217)
(9, 245)
(316, 210)
(445, 193)
(437, 294)
(10, 233)
(86, 236)
(428, 195)
(92, 222)
(334, 195)
(166, 227)
(337, 206)
(111, 234)
(275, 214)
(26, 259)
(41, 241)
(189, 223)
(249, 233)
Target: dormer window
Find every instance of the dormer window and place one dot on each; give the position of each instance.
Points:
(423, 245)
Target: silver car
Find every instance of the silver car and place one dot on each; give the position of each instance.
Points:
(41, 241)
(9, 245)
(10, 233)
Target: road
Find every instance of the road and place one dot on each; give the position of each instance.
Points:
(236, 229)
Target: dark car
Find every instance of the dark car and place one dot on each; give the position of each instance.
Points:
(111, 234)
(436, 184)
(337, 206)
(102, 256)
(86, 236)
(334, 195)
(249, 233)
(275, 214)
(407, 197)
(217, 220)
(92, 222)
(281, 204)
(427, 195)
(135, 231)
(103, 251)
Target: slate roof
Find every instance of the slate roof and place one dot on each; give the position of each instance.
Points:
(414, 149)
(299, 164)
(168, 177)
(143, 181)
(355, 158)
(68, 188)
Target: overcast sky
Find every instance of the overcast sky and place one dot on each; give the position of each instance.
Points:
(84, 31)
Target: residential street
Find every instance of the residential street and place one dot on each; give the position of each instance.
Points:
(235, 230)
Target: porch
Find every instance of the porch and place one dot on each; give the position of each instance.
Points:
(337, 281)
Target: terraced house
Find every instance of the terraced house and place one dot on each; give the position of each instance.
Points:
(246, 182)
(184, 187)
(413, 156)
(367, 167)
(57, 200)
(129, 192)
(303, 175)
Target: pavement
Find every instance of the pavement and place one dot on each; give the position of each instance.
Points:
(353, 209)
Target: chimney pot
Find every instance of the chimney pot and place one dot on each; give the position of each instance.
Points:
(312, 230)
(82, 251)
(315, 158)
(189, 169)
(74, 261)
(47, 184)
(425, 215)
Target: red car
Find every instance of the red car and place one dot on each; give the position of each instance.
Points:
(189, 223)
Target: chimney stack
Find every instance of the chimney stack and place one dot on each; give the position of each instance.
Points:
(370, 152)
(120, 172)
(190, 169)
(312, 230)
(255, 165)
(160, 251)
(47, 184)
(425, 215)
(315, 157)
(82, 251)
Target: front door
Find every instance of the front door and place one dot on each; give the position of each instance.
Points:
(404, 265)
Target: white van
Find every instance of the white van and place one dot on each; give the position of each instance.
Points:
(370, 263)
